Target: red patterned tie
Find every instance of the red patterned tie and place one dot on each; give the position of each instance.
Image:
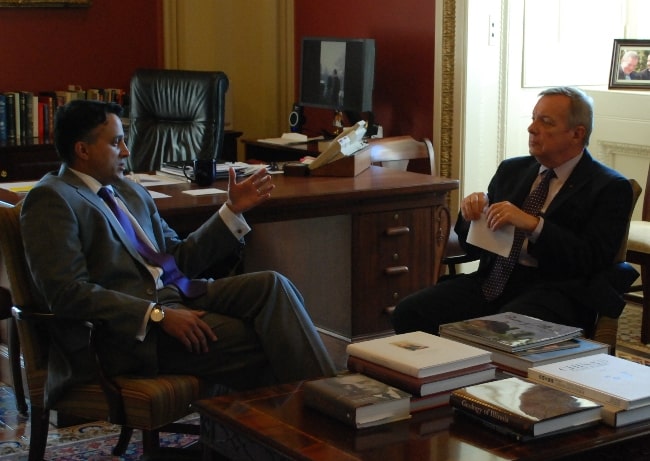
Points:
(502, 267)
(172, 275)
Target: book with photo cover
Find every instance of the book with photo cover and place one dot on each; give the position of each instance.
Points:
(610, 380)
(419, 354)
(525, 409)
(419, 387)
(357, 400)
(509, 331)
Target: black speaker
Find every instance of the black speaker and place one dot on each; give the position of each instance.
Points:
(296, 119)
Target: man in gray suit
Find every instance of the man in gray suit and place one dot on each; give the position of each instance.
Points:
(242, 331)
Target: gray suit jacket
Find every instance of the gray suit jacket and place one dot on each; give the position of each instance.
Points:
(85, 267)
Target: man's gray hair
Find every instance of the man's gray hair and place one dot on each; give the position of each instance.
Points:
(581, 111)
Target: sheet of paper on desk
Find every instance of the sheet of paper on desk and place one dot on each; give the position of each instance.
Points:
(18, 187)
(154, 179)
(156, 195)
(208, 191)
(291, 138)
(499, 241)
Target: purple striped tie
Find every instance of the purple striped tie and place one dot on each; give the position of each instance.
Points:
(502, 267)
(172, 275)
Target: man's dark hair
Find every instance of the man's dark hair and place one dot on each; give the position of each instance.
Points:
(76, 120)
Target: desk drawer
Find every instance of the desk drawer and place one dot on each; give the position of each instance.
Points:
(392, 259)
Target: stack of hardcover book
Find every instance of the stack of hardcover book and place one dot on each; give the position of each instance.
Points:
(620, 385)
(518, 342)
(424, 365)
(524, 409)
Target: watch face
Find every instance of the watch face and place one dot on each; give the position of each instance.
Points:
(157, 314)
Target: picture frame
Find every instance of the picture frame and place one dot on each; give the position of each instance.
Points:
(44, 3)
(639, 75)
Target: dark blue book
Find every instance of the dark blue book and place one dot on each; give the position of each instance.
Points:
(11, 116)
(3, 118)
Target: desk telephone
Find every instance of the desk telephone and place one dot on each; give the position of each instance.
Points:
(347, 143)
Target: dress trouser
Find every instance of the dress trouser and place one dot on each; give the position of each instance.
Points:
(461, 298)
(264, 334)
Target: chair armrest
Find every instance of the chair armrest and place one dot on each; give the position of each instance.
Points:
(111, 390)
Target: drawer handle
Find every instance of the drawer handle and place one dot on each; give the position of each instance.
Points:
(397, 230)
(396, 270)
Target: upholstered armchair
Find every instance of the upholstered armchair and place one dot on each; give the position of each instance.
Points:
(148, 404)
(638, 252)
(175, 115)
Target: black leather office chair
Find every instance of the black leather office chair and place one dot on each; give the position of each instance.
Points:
(176, 115)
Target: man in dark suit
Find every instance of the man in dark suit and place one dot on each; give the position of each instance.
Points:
(565, 271)
(240, 331)
(645, 73)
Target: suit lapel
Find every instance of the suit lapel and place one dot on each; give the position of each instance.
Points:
(527, 180)
(138, 210)
(575, 182)
(95, 201)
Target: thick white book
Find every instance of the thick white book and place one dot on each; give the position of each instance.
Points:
(609, 380)
(419, 354)
(617, 418)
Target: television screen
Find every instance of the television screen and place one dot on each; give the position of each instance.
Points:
(337, 73)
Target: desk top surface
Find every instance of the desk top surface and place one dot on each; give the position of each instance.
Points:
(374, 185)
(377, 189)
(276, 415)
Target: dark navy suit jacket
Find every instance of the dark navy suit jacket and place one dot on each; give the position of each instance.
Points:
(584, 227)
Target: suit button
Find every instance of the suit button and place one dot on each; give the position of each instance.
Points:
(150, 291)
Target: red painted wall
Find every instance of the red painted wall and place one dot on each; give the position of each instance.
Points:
(404, 41)
(100, 46)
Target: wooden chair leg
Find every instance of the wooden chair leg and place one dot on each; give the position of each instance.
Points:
(13, 347)
(40, 420)
(123, 441)
(150, 442)
(645, 314)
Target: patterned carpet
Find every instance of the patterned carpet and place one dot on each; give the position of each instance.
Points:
(629, 344)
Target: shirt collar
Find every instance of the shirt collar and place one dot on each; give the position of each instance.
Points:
(89, 181)
(563, 171)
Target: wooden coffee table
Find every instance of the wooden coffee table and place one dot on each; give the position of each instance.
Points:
(272, 424)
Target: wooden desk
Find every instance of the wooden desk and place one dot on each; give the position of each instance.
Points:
(272, 424)
(353, 246)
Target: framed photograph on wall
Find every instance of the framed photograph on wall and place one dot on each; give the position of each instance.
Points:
(630, 68)
(44, 3)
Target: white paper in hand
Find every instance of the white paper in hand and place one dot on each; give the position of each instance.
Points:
(498, 241)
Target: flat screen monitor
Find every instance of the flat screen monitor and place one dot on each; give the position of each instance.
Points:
(337, 73)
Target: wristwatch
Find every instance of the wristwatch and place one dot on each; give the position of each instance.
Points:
(157, 314)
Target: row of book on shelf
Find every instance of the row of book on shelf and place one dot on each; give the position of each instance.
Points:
(26, 115)
(514, 374)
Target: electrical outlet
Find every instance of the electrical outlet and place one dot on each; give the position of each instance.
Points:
(493, 31)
